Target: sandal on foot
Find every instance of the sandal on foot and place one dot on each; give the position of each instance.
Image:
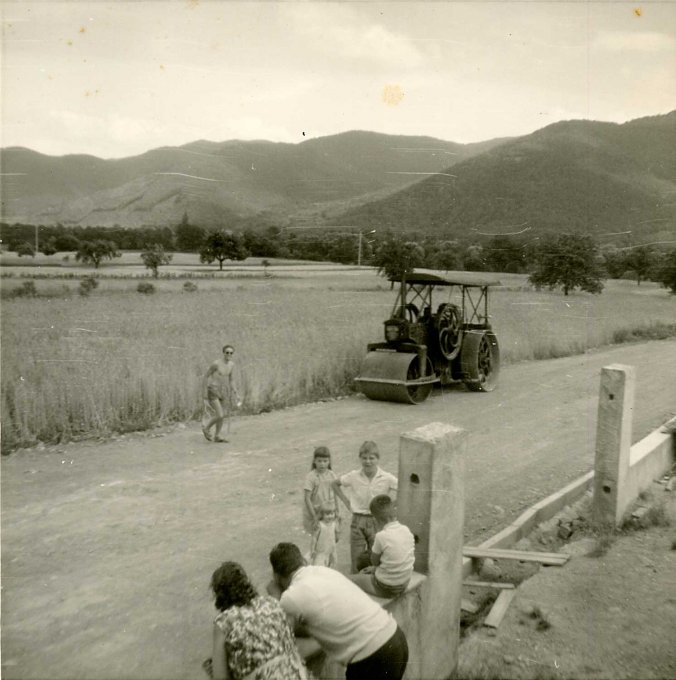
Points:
(206, 434)
(221, 439)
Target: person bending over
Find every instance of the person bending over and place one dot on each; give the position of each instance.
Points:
(350, 627)
(252, 639)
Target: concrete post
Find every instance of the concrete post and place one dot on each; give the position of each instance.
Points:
(613, 441)
(430, 501)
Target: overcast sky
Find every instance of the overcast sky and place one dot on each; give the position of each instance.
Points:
(115, 79)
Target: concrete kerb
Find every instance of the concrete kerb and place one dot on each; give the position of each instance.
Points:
(550, 506)
(541, 512)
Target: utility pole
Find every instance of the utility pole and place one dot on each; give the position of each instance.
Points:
(373, 231)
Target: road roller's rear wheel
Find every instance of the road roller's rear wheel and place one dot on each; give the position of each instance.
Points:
(480, 360)
(392, 376)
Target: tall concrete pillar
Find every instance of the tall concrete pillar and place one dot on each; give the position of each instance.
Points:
(613, 441)
(431, 502)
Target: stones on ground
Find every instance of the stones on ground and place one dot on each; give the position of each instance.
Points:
(565, 530)
(540, 616)
(639, 512)
(581, 547)
(469, 606)
(490, 571)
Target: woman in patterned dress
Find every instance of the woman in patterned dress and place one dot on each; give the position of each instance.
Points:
(252, 637)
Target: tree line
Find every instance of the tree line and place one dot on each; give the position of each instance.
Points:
(568, 260)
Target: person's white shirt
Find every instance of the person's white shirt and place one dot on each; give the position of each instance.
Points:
(345, 621)
(361, 490)
(395, 545)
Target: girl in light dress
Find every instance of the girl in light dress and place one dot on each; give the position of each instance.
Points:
(324, 539)
(318, 491)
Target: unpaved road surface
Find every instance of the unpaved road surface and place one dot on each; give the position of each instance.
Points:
(107, 548)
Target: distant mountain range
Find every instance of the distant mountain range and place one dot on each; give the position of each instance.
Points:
(586, 175)
(213, 182)
(598, 178)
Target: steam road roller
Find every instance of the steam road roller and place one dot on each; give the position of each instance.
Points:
(423, 345)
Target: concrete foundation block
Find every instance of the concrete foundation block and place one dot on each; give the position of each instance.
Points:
(431, 503)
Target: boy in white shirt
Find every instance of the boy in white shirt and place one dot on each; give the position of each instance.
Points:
(392, 555)
(362, 486)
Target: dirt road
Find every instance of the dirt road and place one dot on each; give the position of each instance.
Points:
(107, 548)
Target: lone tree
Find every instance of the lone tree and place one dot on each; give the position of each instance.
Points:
(614, 261)
(66, 242)
(396, 257)
(222, 246)
(667, 271)
(569, 262)
(641, 259)
(48, 247)
(93, 252)
(24, 248)
(154, 257)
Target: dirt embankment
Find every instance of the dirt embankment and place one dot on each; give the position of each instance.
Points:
(107, 548)
(610, 612)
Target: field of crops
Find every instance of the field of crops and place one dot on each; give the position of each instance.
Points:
(117, 360)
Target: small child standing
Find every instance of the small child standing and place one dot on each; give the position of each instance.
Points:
(392, 555)
(323, 547)
(318, 489)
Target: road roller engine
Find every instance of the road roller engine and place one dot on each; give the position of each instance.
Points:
(423, 345)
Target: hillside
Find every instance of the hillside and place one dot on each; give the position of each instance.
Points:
(589, 176)
(214, 181)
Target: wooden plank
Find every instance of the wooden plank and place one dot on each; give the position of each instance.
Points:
(499, 608)
(489, 584)
(524, 556)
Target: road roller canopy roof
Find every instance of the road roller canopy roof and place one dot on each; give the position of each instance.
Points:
(421, 277)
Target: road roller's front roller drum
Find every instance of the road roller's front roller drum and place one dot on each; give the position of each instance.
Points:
(395, 376)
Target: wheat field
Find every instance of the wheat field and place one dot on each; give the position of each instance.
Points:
(117, 361)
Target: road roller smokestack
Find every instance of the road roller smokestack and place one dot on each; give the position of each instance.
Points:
(423, 346)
